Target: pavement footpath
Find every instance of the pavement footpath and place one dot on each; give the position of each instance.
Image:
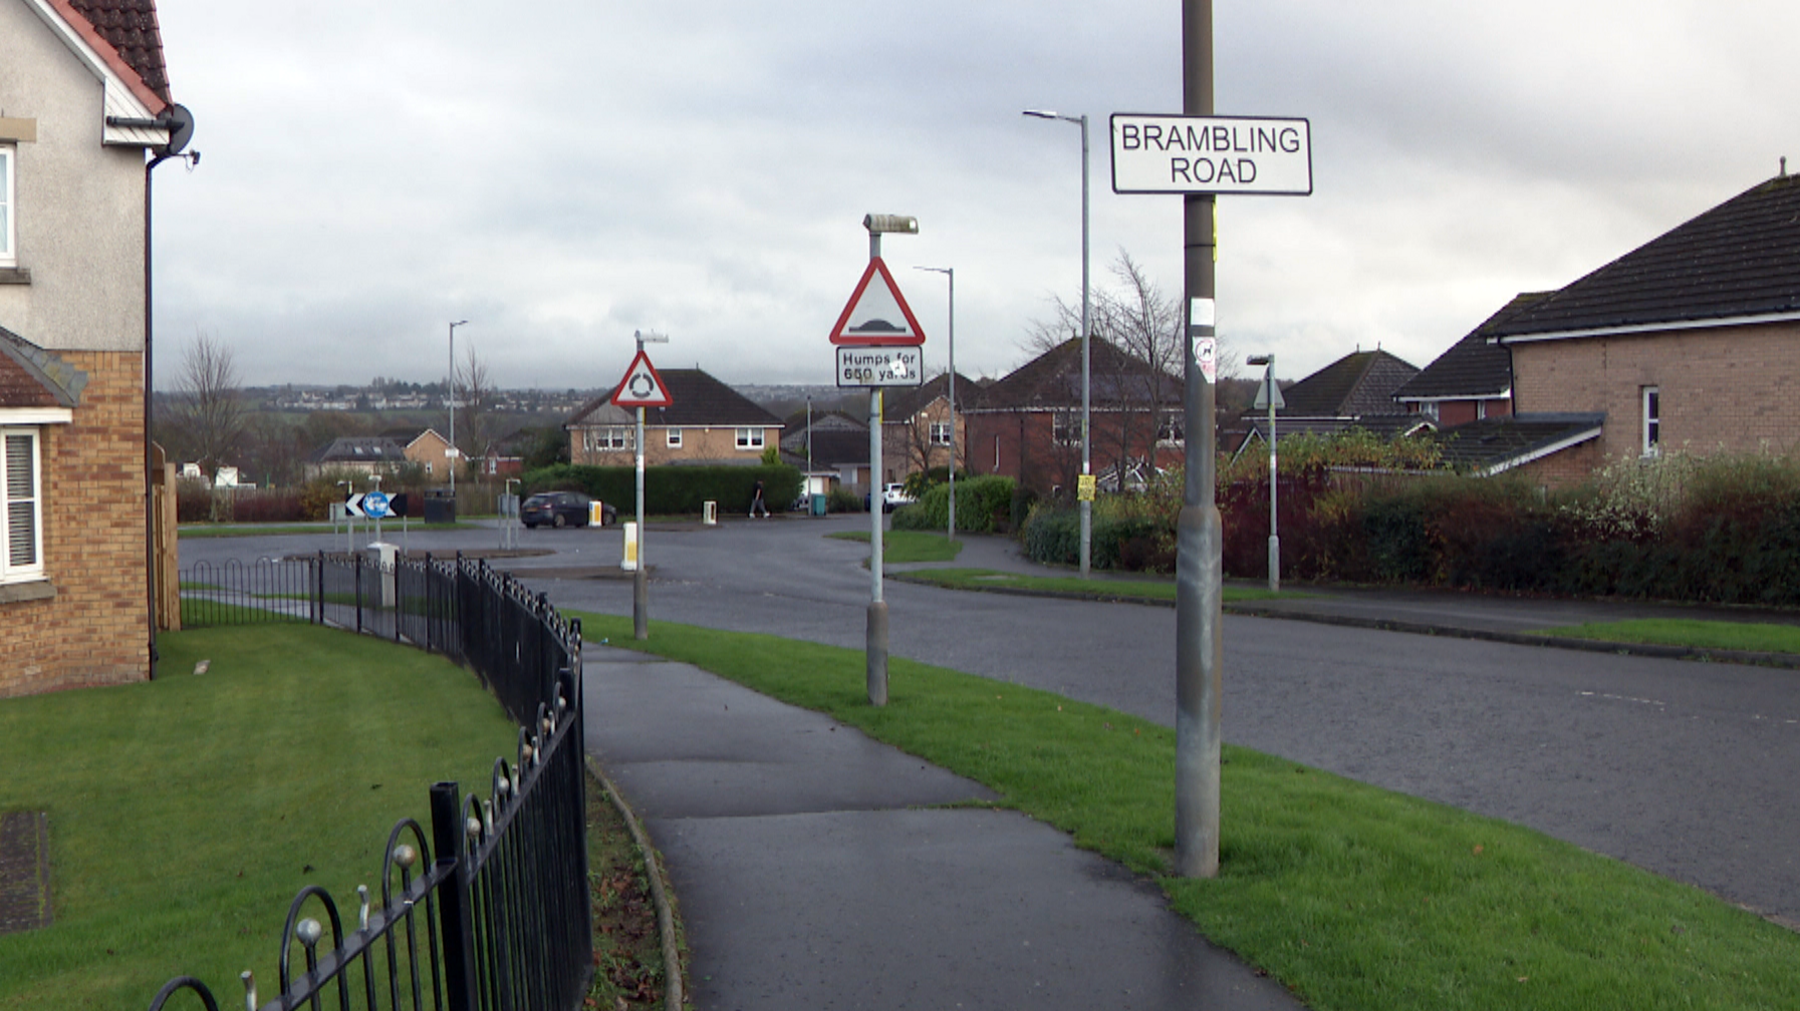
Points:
(816, 868)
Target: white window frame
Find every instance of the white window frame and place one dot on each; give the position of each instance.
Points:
(1650, 412)
(607, 438)
(940, 433)
(9, 207)
(750, 439)
(1169, 430)
(674, 440)
(1065, 428)
(11, 571)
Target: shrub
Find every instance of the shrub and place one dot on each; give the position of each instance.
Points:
(982, 506)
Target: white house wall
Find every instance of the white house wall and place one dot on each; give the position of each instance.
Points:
(71, 191)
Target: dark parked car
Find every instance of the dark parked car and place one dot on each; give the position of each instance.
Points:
(563, 509)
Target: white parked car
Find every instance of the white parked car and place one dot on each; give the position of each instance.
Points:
(894, 496)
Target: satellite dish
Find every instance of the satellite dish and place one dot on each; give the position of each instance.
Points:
(181, 128)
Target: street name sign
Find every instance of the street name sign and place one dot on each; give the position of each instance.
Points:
(642, 387)
(1211, 154)
(877, 366)
(877, 314)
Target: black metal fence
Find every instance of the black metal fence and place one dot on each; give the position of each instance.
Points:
(499, 919)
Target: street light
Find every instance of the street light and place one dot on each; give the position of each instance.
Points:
(950, 272)
(1272, 396)
(451, 452)
(1087, 506)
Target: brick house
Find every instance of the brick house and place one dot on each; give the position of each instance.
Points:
(426, 448)
(707, 422)
(84, 100)
(1691, 341)
(1027, 424)
(916, 426)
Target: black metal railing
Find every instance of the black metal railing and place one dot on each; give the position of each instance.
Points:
(500, 918)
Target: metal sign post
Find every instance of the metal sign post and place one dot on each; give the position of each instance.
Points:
(641, 388)
(877, 320)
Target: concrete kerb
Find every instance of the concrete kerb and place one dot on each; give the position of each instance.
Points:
(659, 887)
(1789, 661)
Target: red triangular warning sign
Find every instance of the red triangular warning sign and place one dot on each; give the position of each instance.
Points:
(877, 314)
(641, 387)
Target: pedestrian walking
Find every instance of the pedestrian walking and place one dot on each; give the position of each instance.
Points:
(756, 502)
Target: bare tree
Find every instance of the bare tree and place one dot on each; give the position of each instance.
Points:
(475, 395)
(210, 407)
(1141, 390)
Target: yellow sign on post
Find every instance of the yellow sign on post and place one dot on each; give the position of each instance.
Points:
(1084, 487)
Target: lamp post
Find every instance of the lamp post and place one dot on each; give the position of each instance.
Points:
(1086, 504)
(1271, 396)
(451, 452)
(950, 272)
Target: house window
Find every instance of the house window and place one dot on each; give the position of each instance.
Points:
(1652, 401)
(21, 507)
(1065, 428)
(749, 438)
(674, 438)
(940, 433)
(608, 439)
(1169, 430)
(8, 257)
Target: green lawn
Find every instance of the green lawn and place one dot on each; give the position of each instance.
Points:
(1749, 636)
(185, 813)
(901, 546)
(1357, 898)
(1110, 588)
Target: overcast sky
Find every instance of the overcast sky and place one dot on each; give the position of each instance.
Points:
(564, 172)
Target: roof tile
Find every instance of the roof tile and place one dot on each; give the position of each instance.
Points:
(1740, 259)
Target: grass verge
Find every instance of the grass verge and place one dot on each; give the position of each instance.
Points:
(1152, 590)
(186, 812)
(628, 957)
(205, 530)
(1749, 636)
(1356, 898)
(899, 546)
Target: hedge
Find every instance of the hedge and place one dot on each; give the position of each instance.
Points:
(1723, 529)
(672, 490)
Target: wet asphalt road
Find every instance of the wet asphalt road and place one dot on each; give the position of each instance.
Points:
(1686, 769)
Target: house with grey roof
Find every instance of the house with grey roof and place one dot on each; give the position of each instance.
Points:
(360, 454)
(1356, 391)
(706, 422)
(830, 447)
(1691, 341)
